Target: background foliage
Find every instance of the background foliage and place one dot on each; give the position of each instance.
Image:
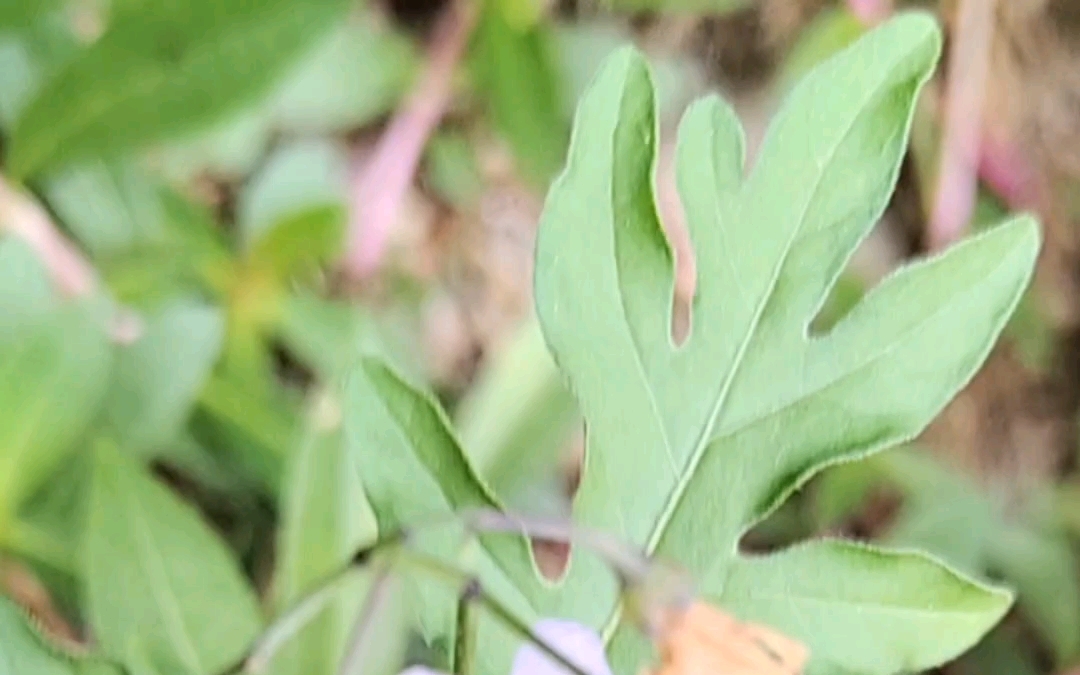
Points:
(238, 198)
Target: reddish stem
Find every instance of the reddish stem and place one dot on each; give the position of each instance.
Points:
(969, 65)
(1008, 172)
(870, 12)
(72, 273)
(24, 218)
(381, 185)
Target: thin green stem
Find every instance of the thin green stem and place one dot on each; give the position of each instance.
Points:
(461, 660)
(448, 573)
(628, 564)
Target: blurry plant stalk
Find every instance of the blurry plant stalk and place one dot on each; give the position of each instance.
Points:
(969, 69)
(382, 182)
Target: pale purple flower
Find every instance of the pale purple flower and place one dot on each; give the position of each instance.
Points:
(578, 644)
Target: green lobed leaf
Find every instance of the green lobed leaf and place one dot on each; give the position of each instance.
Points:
(325, 519)
(163, 594)
(161, 70)
(159, 377)
(690, 445)
(53, 376)
(863, 609)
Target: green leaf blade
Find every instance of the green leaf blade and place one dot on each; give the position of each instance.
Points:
(159, 377)
(161, 588)
(54, 376)
(325, 519)
(690, 445)
(864, 610)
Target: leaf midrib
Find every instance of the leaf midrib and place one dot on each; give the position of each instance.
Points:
(704, 437)
(23, 440)
(161, 588)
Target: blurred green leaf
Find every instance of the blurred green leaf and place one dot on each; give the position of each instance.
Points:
(159, 377)
(833, 29)
(26, 291)
(23, 650)
(108, 206)
(161, 70)
(300, 241)
(53, 376)
(517, 417)
(1044, 570)
(582, 47)
(301, 176)
(944, 512)
(948, 515)
(1001, 654)
(162, 591)
(452, 171)
(326, 335)
(229, 149)
(53, 517)
(21, 13)
(256, 425)
(17, 78)
(356, 74)
(518, 72)
(325, 520)
(191, 257)
(414, 470)
(25, 56)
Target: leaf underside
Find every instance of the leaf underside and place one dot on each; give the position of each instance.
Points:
(690, 445)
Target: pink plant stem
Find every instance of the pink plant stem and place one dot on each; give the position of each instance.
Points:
(1008, 172)
(381, 185)
(969, 65)
(72, 273)
(870, 12)
(23, 217)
